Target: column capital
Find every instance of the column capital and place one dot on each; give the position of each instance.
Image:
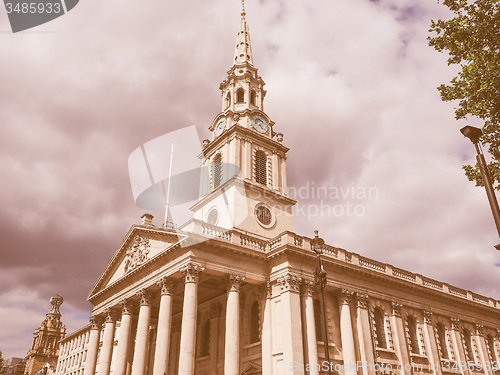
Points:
(167, 287)
(454, 323)
(396, 308)
(234, 282)
(110, 315)
(362, 300)
(427, 317)
(346, 296)
(308, 287)
(144, 297)
(127, 307)
(96, 322)
(289, 283)
(191, 273)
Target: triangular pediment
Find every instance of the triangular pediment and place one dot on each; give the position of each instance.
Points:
(140, 246)
(252, 369)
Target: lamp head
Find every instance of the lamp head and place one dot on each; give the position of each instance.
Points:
(317, 243)
(472, 133)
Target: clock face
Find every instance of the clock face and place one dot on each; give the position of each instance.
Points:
(260, 124)
(219, 128)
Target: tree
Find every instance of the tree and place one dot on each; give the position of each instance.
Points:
(1, 363)
(472, 40)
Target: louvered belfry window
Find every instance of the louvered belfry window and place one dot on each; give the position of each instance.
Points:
(261, 167)
(217, 171)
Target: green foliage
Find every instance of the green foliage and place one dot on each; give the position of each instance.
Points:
(472, 41)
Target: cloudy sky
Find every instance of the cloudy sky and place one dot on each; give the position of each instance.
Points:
(351, 84)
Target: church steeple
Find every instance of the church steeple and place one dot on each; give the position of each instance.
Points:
(243, 50)
(246, 159)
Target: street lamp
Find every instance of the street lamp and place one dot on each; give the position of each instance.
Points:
(474, 134)
(320, 274)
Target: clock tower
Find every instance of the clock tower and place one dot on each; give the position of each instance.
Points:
(245, 180)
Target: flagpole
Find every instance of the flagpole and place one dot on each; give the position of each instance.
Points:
(168, 186)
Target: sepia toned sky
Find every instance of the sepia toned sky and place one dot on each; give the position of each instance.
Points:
(351, 84)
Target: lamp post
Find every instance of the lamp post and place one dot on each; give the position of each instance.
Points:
(474, 134)
(320, 274)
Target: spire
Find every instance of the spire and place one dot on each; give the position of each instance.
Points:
(243, 51)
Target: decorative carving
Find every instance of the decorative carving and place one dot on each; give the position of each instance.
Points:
(290, 283)
(144, 297)
(346, 296)
(362, 300)
(55, 301)
(454, 323)
(427, 317)
(191, 273)
(396, 308)
(96, 322)
(166, 286)
(479, 329)
(110, 316)
(215, 310)
(126, 306)
(234, 282)
(137, 254)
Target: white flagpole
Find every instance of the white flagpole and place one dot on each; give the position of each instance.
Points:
(168, 186)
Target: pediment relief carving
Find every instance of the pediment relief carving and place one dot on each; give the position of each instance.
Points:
(137, 254)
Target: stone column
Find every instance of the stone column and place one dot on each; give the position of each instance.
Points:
(164, 322)
(189, 310)
(232, 343)
(141, 339)
(289, 322)
(107, 343)
(399, 338)
(457, 344)
(346, 333)
(93, 348)
(430, 339)
(311, 349)
(123, 339)
(364, 335)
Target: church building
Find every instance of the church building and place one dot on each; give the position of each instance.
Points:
(235, 291)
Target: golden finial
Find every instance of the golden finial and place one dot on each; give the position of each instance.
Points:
(243, 8)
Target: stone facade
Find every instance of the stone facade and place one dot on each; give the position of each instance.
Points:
(234, 290)
(45, 347)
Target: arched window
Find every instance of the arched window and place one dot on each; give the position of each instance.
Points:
(228, 99)
(317, 320)
(468, 344)
(441, 333)
(412, 335)
(240, 95)
(252, 97)
(378, 316)
(217, 171)
(205, 339)
(261, 167)
(254, 322)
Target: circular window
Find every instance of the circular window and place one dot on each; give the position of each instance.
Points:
(213, 216)
(264, 215)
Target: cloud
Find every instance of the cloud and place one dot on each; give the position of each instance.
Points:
(350, 84)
